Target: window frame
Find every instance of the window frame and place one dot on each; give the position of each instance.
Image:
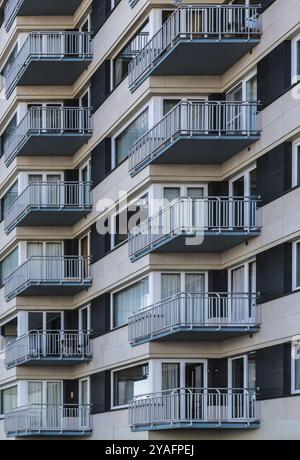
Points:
(112, 382)
(7, 387)
(113, 293)
(123, 128)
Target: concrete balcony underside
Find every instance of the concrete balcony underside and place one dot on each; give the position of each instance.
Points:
(52, 71)
(45, 8)
(213, 241)
(197, 425)
(50, 361)
(184, 333)
(41, 217)
(45, 144)
(201, 149)
(184, 57)
(45, 288)
(41, 433)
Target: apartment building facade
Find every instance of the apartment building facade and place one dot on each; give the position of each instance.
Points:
(150, 219)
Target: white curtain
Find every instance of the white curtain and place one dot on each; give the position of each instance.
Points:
(237, 284)
(54, 190)
(54, 393)
(170, 284)
(54, 265)
(35, 190)
(170, 376)
(195, 283)
(35, 268)
(129, 301)
(35, 392)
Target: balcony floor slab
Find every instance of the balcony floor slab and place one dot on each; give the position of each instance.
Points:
(50, 71)
(44, 361)
(197, 334)
(56, 144)
(237, 425)
(51, 289)
(48, 433)
(213, 242)
(50, 216)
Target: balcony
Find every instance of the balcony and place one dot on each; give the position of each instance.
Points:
(198, 40)
(49, 131)
(188, 408)
(49, 276)
(202, 316)
(49, 348)
(50, 58)
(197, 132)
(47, 420)
(208, 224)
(49, 203)
(14, 8)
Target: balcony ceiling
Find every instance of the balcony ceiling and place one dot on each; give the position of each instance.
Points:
(53, 71)
(203, 149)
(43, 144)
(48, 8)
(203, 57)
(55, 216)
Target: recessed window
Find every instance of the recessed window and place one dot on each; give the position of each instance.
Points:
(9, 264)
(8, 399)
(129, 301)
(133, 47)
(296, 60)
(130, 135)
(296, 265)
(296, 164)
(296, 368)
(129, 383)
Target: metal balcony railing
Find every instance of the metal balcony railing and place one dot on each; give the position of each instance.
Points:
(48, 195)
(38, 270)
(194, 216)
(47, 121)
(42, 418)
(194, 119)
(132, 3)
(194, 311)
(194, 406)
(56, 345)
(50, 46)
(191, 22)
(136, 45)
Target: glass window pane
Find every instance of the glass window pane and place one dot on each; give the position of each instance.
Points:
(170, 284)
(130, 135)
(9, 399)
(171, 193)
(129, 301)
(10, 263)
(169, 104)
(298, 60)
(297, 368)
(298, 166)
(124, 383)
(10, 197)
(298, 265)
